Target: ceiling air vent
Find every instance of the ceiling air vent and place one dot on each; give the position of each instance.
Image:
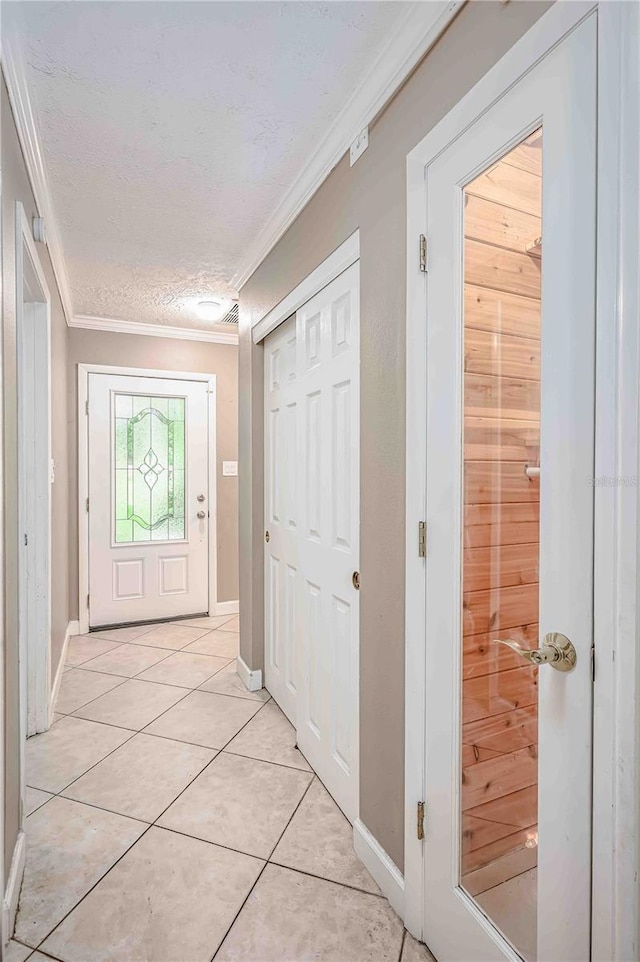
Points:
(231, 317)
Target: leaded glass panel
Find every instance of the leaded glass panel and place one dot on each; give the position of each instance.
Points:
(149, 468)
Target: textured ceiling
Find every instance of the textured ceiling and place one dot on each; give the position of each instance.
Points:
(171, 131)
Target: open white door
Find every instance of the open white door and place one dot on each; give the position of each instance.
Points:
(312, 538)
(510, 427)
(148, 498)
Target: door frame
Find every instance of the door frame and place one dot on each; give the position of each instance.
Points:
(84, 370)
(33, 346)
(616, 781)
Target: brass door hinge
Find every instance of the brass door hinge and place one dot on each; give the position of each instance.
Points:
(420, 825)
(423, 253)
(422, 539)
(87, 504)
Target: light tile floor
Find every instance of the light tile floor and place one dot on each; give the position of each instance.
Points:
(172, 819)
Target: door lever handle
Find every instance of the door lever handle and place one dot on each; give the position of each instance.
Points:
(556, 651)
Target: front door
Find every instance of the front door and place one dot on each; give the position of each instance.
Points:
(510, 426)
(148, 499)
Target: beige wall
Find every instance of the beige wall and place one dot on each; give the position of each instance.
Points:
(16, 187)
(370, 196)
(165, 354)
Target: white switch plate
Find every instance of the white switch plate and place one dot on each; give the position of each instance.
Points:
(359, 146)
(230, 469)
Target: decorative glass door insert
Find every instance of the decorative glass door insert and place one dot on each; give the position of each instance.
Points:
(148, 468)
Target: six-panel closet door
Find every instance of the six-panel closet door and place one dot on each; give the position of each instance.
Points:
(312, 530)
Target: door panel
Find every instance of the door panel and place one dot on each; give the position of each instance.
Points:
(148, 464)
(510, 393)
(312, 515)
(282, 601)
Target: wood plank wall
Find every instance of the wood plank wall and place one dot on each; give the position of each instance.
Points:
(501, 508)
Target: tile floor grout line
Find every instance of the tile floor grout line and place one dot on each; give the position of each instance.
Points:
(91, 767)
(404, 936)
(302, 798)
(100, 808)
(85, 704)
(160, 662)
(169, 651)
(259, 876)
(183, 790)
(90, 890)
(175, 684)
(237, 915)
(323, 878)
(268, 761)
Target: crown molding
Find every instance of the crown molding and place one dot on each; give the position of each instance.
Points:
(13, 69)
(417, 32)
(115, 326)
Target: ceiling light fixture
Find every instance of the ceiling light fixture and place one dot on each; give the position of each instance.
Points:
(210, 310)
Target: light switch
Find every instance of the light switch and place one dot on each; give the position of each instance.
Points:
(230, 469)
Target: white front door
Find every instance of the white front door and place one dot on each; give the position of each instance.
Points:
(312, 519)
(510, 427)
(148, 498)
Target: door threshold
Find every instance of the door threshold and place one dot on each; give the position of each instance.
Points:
(150, 621)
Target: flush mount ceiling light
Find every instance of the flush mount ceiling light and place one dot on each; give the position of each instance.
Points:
(210, 310)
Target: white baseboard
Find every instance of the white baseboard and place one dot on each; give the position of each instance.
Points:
(385, 872)
(73, 628)
(252, 679)
(227, 608)
(12, 891)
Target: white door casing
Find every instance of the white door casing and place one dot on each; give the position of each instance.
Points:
(312, 516)
(148, 579)
(33, 332)
(559, 95)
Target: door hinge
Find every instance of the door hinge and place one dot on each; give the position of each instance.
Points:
(88, 596)
(593, 663)
(423, 253)
(420, 824)
(26, 540)
(422, 539)
(87, 504)
(86, 407)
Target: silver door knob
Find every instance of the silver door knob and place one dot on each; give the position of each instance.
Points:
(556, 651)
(201, 514)
(200, 498)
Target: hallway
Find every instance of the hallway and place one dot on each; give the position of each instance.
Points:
(171, 817)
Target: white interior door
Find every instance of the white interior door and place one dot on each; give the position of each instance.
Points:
(148, 498)
(312, 519)
(282, 407)
(510, 426)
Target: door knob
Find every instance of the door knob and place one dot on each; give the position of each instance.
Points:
(201, 515)
(200, 498)
(556, 651)
(355, 580)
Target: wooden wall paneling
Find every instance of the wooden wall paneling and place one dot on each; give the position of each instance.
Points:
(510, 186)
(482, 656)
(499, 311)
(486, 352)
(497, 397)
